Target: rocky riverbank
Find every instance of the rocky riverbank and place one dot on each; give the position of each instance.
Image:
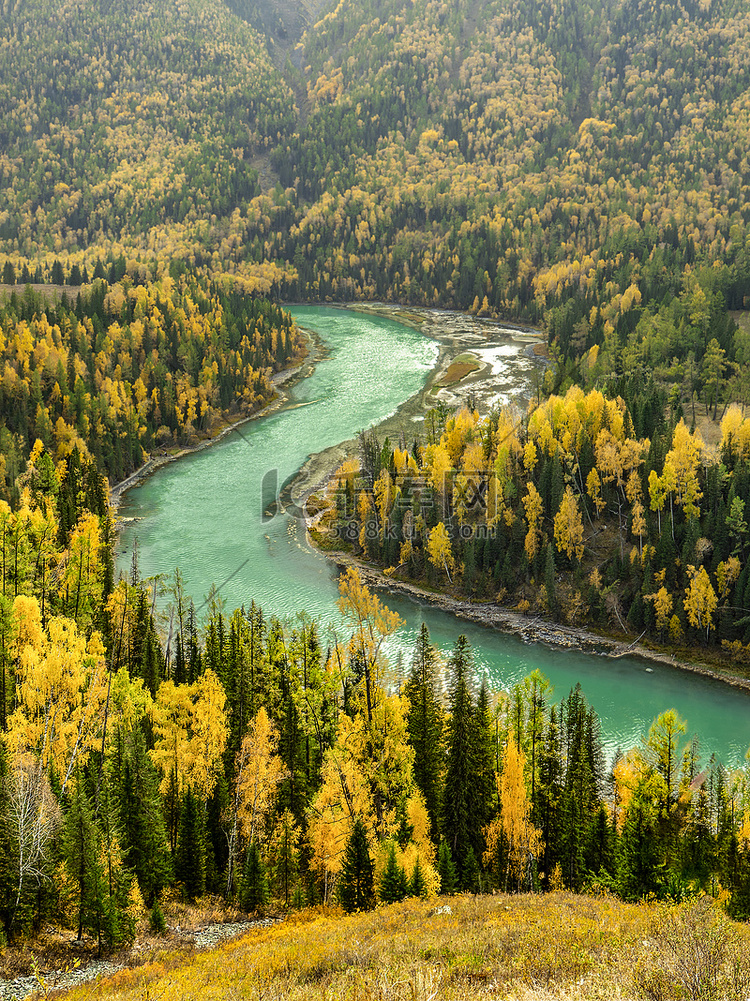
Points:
(81, 968)
(529, 628)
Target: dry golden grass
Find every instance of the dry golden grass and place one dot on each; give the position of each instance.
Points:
(458, 370)
(525, 948)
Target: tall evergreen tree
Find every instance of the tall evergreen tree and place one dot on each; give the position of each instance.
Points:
(460, 807)
(254, 892)
(391, 887)
(190, 863)
(81, 846)
(446, 869)
(424, 725)
(546, 806)
(417, 884)
(144, 833)
(356, 884)
(639, 865)
(581, 798)
(483, 760)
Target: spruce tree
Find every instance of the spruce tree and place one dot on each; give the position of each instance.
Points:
(141, 822)
(471, 872)
(254, 892)
(639, 868)
(460, 815)
(417, 884)
(483, 756)
(580, 800)
(391, 887)
(548, 795)
(190, 863)
(118, 925)
(549, 580)
(424, 725)
(446, 869)
(81, 845)
(356, 886)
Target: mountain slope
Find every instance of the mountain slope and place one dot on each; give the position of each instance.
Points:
(574, 163)
(140, 132)
(556, 946)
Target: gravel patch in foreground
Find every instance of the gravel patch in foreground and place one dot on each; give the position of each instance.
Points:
(208, 937)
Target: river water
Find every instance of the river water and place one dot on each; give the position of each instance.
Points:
(211, 514)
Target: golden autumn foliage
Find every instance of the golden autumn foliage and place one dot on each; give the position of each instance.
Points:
(259, 771)
(190, 733)
(61, 693)
(136, 365)
(572, 471)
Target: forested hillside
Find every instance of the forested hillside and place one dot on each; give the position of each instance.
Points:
(442, 154)
(580, 166)
(130, 367)
(134, 130)
(586, 166)
(270, 762)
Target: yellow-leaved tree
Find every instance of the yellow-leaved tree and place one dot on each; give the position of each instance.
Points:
(569, 526)
(258, 771)
(62, 687)
(700, 599)
(513, 825)
(532, 503)
(373, 623)
(439, 549)
(367, 774)
(190, 734)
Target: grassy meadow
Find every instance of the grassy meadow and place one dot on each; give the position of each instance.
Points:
(516, 947)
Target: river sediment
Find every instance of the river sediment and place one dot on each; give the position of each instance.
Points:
(519, 351)
(454, 333)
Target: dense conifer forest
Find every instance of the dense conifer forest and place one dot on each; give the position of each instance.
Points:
(132, 366)
(281, 763)
(168, 175)
(589, 510)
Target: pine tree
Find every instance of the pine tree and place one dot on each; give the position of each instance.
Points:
(190, 863)
(356, 886)
(254, 892)
(471, 872)
(483, 758)
(548, 795)
(417, 885)
(581, 801)
(118, 925)
(459, 799)
(639, 868)
(391, 886)
(81, 844)
(141, 821)
(446, 869)
(425, 725)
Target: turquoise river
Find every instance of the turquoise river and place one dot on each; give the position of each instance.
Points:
(204, 514)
